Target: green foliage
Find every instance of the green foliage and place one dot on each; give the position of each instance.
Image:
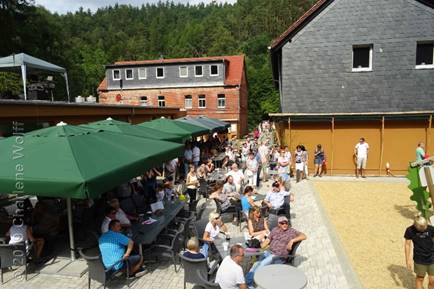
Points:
(84, 42)
(420, 195)
(11, 82)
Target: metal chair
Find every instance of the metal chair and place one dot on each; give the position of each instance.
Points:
(203, 188)
(196, 272)
(171, 250)
(291, 254)
(13, 255)
(97, 271)
(232, 209)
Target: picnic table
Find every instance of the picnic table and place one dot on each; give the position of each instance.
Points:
(146, 234)
(280, 276)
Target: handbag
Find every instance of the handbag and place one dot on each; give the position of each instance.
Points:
(253, 243)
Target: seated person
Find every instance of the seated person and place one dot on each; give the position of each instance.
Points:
(19, 232)
(110, 214)
(230, 273)
(116, 248)
(257, 225)
(45, 225)
(275, 199)
(221, 196)
(212, 230)
(169, 190)
(159, 193)
(247, 201)
(230, 189)
(120, 214)
(209, 166)
(192, 251)
(281, 240)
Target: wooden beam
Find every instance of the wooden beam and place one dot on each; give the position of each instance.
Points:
(381, 145)
(428, 134)
(332, 146)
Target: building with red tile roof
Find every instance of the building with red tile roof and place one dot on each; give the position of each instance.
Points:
(212, 86)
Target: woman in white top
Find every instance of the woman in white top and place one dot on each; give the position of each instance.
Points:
(214, 226)
(192, 183)
(21, 233)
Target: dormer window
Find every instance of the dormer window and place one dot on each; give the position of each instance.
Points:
(142, 73)
(183, 71)
(160, 72)
(425, 55)
(129, 74)
(362, 58)
(116, 73)
(214, 70)
(198, 71)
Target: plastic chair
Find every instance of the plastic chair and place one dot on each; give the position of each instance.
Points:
(97, 271)
(13, 255)
(172, 249)
(291, 254)
(196, 272)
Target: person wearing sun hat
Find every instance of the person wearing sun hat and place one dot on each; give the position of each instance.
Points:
(281, 240)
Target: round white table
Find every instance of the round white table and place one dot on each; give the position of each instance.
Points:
(280, 277)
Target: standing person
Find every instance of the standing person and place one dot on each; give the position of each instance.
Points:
(264, 154)
(420, 151)
(116, 248)
(192, 182)
(188, 157)
(252, 169)
(318, 160)
(299, 165)
(171, 168)
(361, 150)
(283, 164)
(195, 155)
(305, 159)
(230, 273)
(421, 235)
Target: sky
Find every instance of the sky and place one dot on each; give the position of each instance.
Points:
(64, 6)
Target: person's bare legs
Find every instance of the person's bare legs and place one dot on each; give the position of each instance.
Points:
(316, 170)
(39, 245)
(136, 267)
(431, 282)
(419, 282)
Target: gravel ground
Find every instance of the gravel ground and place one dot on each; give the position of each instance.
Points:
(370, 219)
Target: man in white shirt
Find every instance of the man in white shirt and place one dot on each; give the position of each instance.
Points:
(196, 155)
(237, 175)
(230, 273)
(361, 150)
(276, 198)
(120, 214)
(171, 167)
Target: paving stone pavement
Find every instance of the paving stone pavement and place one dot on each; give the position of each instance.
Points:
(320, 256)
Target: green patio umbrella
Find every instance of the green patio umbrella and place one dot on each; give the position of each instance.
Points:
(74, 162)
(212, 127)
(214, 120)
(141, 131)
(176, 127)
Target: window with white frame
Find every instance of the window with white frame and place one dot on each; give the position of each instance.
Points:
(183, 71)
(425, 55)
(142, 73)
(198, 71)
(214, 70)
(144, 101)
(202, 101)
(362, 57)
(161, 101)
(116, 73)
(188, 101)
(160, 72)
(129, 74)
(221, 101)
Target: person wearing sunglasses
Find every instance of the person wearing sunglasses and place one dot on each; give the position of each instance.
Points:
(281, 240)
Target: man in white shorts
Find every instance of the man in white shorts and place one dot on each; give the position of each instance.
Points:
(361, 150)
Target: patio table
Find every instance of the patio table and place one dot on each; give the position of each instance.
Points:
(216, 176)
(280, 276)
(147, 234)
(218, 160)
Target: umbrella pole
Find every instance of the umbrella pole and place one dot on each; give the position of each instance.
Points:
(70, 229)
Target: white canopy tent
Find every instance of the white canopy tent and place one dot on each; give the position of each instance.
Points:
(27, 62)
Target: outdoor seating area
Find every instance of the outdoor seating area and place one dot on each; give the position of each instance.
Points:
(150, 201)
